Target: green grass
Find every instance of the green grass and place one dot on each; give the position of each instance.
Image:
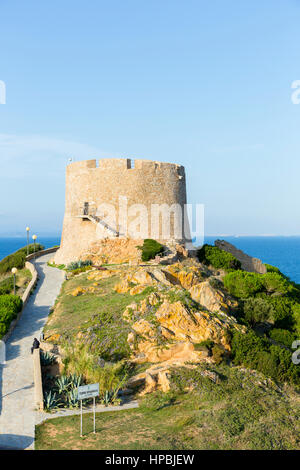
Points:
(23, 277)
(103, 308)
(236, 413)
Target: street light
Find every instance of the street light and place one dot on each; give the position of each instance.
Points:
(34, 237)
(27, 230)
(14, 271)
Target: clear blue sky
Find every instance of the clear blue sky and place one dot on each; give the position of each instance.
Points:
(203, 83)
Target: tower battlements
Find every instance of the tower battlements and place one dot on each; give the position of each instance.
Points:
(91, 184)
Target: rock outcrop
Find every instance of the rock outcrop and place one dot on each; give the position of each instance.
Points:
(212, 299)
(114, 251)
(168, 326)
(248, 263)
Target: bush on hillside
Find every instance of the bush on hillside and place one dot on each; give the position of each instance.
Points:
(257, 310)
(245, 348)
(150, 249)
(283, 311)
(282, 336)
(255, 352)
(17, 259)
(10, 306)
(219, 259)
(274, 269)
(31, 249)
(285, 371)
(218, 354)
(242, 284)
(274, 282)
(7, 285)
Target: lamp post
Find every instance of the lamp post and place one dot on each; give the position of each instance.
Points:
(27, 230)
(34, 237)
(14, 271)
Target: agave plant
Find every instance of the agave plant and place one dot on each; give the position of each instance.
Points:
(106, 398)
(79, 264)
(51, 401)
(62, 384)
(72, 398)
(110, 397)
(75, 381)
(47, 359)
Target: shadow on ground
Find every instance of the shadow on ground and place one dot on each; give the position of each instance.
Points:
(13, 441)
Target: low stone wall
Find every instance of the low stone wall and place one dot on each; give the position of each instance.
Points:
(38, 384)
(25, 297)
(41, 253)
(29, 288)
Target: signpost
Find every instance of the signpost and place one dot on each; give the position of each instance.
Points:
(84, 392)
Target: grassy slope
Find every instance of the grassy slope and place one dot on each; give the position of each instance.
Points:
(23, 277)
(238, 413)
(72, 314)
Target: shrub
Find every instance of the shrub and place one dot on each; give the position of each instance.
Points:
(255, 353)
(282, 336)
(207, 343)
(7, 285)
(47, 359)
(150, 249)
(10, 306)
(242, 284)
(273, 269)
(274, 282)
(285, 370)
(218, 354)
(246, 347)
(283, 313)
(257, 310)
(17, 259)
(75, 265)
(31, 249)
(80, 270)
(219, 259)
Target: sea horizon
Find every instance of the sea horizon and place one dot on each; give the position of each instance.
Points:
(281, 251)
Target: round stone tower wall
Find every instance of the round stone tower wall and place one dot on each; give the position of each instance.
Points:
(90, 184)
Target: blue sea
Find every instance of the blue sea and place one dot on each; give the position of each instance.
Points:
(12, 244)
(283, 252)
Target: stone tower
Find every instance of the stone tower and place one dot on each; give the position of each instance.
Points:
(93, 186)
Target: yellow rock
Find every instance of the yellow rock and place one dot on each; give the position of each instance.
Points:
(141, 277)
(137, 290)
(195, 326)
(211, 298)
(77, 291)
(99, 275)
(53, 338)
(129, 312)
(122, 287)
(184, 276)
(144, 328)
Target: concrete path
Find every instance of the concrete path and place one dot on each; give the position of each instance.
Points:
(42, 416)
(17, 414)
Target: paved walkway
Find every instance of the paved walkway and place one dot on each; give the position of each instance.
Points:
(17, 414)
(42, 416)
